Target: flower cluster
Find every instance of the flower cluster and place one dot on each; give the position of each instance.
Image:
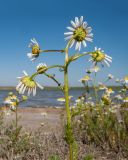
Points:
(12, 101)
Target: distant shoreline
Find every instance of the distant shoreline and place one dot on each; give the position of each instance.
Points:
(51, 87)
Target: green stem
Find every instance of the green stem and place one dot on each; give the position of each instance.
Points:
(50, 67)
(71, 151)
(16, 114)
(52, 50)
(66, 90)
(54, 79)
(56, 66)
(76, 56)
(67, 95)
(95, 89)
(34, 74)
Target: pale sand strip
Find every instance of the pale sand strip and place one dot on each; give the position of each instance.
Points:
(33, 118)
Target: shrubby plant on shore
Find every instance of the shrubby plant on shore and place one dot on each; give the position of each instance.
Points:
(98, 117)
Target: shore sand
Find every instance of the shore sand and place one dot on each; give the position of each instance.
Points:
(33, 118)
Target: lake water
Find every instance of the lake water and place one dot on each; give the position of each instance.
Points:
(43, 97)
(46, 97)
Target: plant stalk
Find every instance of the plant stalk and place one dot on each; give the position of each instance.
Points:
(66, 91)
(16, 114)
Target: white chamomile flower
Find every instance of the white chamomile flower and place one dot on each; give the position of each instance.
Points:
(85, 79)
(98, 56)
(35, 49)
(118, 97)
(102, 86)
(11, 99)
(41, 68)
(109, 91)
(110, 76)
(79, 33)
(27, 84)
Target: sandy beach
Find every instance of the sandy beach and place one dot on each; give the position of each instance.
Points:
(33, 118)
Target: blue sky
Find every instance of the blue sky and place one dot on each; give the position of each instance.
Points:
(21, 20)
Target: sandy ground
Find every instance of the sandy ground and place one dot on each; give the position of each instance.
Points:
(33, 118)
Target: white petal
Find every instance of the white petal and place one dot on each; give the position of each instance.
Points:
(41, 87)
(77, 21)
(81, 20)
(108, 59)
(95, 48)
(70, 28)
(34, 41)
(108, 56)
(29, 55)
(21, 88)
(33, 59)
(107, 63)
(30, 45)
(17, 87)
(24, 89)
(88, 29)
(77, 45)
(73, 24)
(19, 77)
(29, 91)
(68, 33)
(84, 43)
(85, 25)
(25, 73)
(72, 43)
(88, 39)
(69, 37)
(90, 35)
(34, 91)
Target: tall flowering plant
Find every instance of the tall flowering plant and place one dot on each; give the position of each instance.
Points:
(79, 34)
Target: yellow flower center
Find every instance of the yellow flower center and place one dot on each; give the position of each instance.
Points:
(35, 50)
(28, 82)
(79, 34)
(98, 56)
